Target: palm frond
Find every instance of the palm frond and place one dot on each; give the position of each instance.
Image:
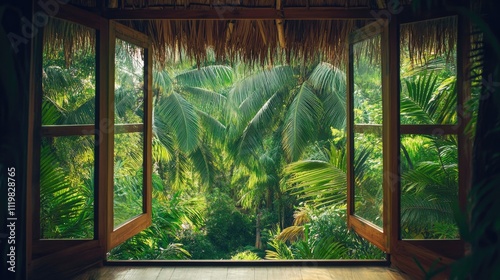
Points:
(301, 216)
(317, 182)
(330, 83)
(428, 100)
(291, 234)
(160, 151)
(300, 122)
(213, 127)
(182, 118)
(247, 144)
(266, 83)
(281, 250)
(258, 110)
(432, 177)
(162, 81)
(55, 79)
(59, 204)
(212, 76)
(203, 163)
(51, 113)
(422, 212)
(204, 97)
(252, 136)
(178, 171)
(447, 101)
(418, 102)
(84, 114)
(161, 128)
(128, 105)
(327, 248)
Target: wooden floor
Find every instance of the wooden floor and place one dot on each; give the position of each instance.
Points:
(241, 273)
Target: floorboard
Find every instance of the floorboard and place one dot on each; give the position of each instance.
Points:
(240, 273)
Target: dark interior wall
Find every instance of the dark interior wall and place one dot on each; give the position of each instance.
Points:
(484, 224)
(16, 35)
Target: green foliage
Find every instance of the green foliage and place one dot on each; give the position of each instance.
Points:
(279, 99)
(246, 255)
(427, 100)
(66, 206)
(331, 223)
(318, 182)
(330, 84)
(322, 234)
(300, 121)
(199, 246)
(226, 227)
(180, 115)
(187, 114)
(257, 144)
(171, 214)
(281, 251)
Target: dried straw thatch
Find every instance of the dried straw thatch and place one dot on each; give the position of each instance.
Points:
(258, 41)
(248, 40)
(63, 35)
(436, 36)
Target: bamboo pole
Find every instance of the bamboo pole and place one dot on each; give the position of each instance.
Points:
(280, 26)
(260, 24)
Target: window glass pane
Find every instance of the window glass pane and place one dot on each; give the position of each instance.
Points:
(128, 177)
(368, 200)
(428, 82)
(67, 188)
(367, 99)
(68, 78)
(429, 186)
(129, 83)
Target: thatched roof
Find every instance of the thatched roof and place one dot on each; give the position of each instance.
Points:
(266, 40)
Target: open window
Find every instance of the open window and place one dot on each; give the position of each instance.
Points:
(64, 215)
(409, 152)
(434, 163)
(371, 173)
(130, 114)
(92, 127)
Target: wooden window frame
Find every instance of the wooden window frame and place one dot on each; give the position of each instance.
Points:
(41, 253)
(133, 226)
(430, 253)
(376, 235)
(403, 252)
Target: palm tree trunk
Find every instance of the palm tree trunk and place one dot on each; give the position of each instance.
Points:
(258, 241)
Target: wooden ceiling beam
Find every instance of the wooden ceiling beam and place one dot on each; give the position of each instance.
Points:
(233, 13)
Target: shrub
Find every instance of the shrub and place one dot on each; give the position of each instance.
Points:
(246, 255)
(226, 227)
(332, 224)
(199, 246)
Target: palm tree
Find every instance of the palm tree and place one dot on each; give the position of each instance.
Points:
(188, 120)
(259, 186)
(273, 115)
(280, 99)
